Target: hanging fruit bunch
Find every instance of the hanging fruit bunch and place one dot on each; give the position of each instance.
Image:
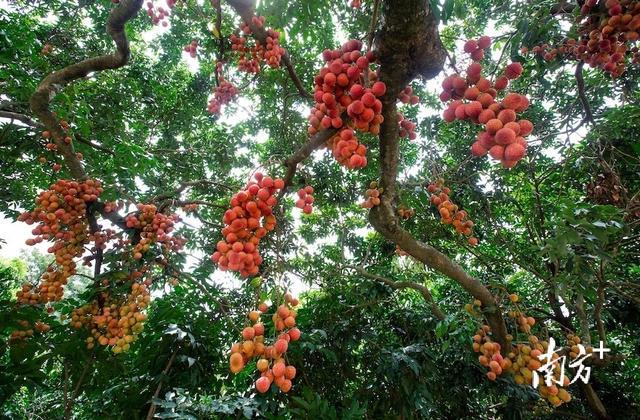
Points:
(251, 53)
(271, 357)
(112, 321)
(305, 199)
(344, 102)
(372, 196)
(476, 99)
(60, 216)
(520, 361)
(608, 32)
(246, 223)
(450, 214)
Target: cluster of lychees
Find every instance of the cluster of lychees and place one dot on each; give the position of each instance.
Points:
(46, 49)
(252, 53)
(114, 322)
(449, 212)
(372, 196)
(190, 208)
(406, 96)
(64, 126)
(271, 362)
(305, 199)
(192, 48)
(99, 240)
(347, 150)
(26, 330)
(521, 360)
(407, 127)
(224, 93)
(159, 14)
(61, 217)
(247, 221)
(154, 228)
(474, 98)
(406, 213)
(340, 88)
(607, 31)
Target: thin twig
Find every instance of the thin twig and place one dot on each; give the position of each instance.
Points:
(422, 289)
(581, 93)
(165, 372)
(20, 117)
(372, 25)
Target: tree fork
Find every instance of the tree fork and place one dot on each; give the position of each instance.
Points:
(408, 45)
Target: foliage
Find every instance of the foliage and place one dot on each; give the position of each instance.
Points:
(560, 229)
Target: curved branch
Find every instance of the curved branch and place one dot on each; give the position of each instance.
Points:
(181, 203)
(409, 45)
(594, 401)
(398, 285)
(55, 81)
(581, 93)
(315, 142)
(383, 219)
(25, 119)
(246, 11)
(113, 217)
(184, 185)
(372, 25)
(165, 372)
(94, 145)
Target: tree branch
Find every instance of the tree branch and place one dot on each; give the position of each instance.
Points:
(76, 391)
(582, 318)
(372, 25)
(152, 408)
(180, 203)
(113, 217)
(581, 93)
(55, 81)
(184, 185)
(593, 400)
(315, 142)
(399, 285)
(562, 7)
(94, 227)
(409, 45)
(245, 8)
(20, 117)
(94, 145)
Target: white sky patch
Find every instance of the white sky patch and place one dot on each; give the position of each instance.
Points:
(242, 112)
(141, 185)
(15, 234)
(87, 22)
(261, 137)
(193, 64)
(51, 18)
(340, 35)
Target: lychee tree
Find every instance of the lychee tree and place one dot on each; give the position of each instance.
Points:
(338, 145)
